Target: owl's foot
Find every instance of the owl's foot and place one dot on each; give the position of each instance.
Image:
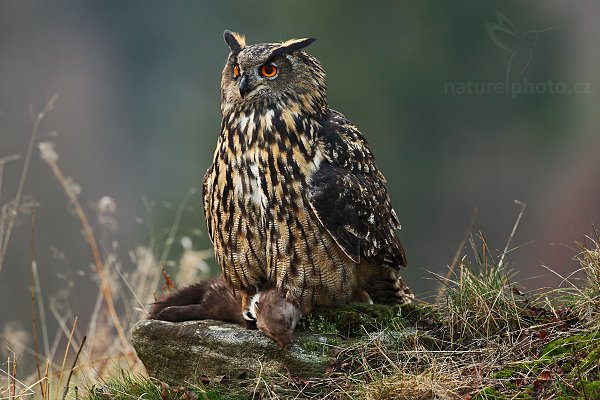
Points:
(403, 293)
(249, 311)
(362, 296)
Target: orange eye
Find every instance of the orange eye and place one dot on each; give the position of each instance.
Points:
(268, 70)
(236, 70)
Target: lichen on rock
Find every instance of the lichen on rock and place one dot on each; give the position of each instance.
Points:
(186, 351)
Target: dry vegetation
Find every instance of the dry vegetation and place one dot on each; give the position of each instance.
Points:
(482, 338)
(76, 355)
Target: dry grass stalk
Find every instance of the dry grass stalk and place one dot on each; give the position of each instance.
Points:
(6, 210)
(64, 396)
(13, 209)
(13, 377)
(458, 253)
(427, 385)
(588, 298)
(62, 367)
(46, 381)
(92, 243)
(34, 328)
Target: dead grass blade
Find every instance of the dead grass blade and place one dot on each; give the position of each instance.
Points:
(34, 328)
(512, 233)
(459, 251)
(12, 214)
(92, 243)
(62, 367)
(64, 396)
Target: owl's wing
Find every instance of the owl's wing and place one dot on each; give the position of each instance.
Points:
(206, 199)
(348, 195)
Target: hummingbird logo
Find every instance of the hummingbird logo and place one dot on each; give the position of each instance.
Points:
(519, 45)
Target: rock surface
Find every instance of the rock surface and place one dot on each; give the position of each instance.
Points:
(186, 351)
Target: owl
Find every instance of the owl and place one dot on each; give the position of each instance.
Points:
(293, 198)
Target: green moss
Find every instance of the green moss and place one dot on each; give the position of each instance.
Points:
(592, 389)
(490, 393)
(222, 393)
(326, 344)
(124, 386)
(578, 355)
(567, 367)
(357, 319)
(575, 357)
(507, 372)
(320, 324)
(582, 342)
(312, 346)
(581, 350)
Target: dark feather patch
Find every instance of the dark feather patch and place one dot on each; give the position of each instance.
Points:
(348, 195)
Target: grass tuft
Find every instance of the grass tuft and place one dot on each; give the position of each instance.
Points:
(481, 299)
(587, 300)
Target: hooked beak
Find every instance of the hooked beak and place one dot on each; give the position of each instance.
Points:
(244, 86)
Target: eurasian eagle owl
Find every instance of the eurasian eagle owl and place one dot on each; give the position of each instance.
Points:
(293, 198)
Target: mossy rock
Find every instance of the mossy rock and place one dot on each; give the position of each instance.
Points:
(184, 352)
(179, 352)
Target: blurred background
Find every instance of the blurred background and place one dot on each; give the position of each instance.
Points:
(466, 105)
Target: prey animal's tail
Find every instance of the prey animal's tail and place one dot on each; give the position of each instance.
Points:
(210, 299)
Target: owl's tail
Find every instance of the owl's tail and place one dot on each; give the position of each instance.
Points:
(388, 287)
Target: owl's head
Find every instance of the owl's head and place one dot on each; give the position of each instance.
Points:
(270, 74)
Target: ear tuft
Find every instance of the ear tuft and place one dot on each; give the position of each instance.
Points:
(235, 41)
(292, 45)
